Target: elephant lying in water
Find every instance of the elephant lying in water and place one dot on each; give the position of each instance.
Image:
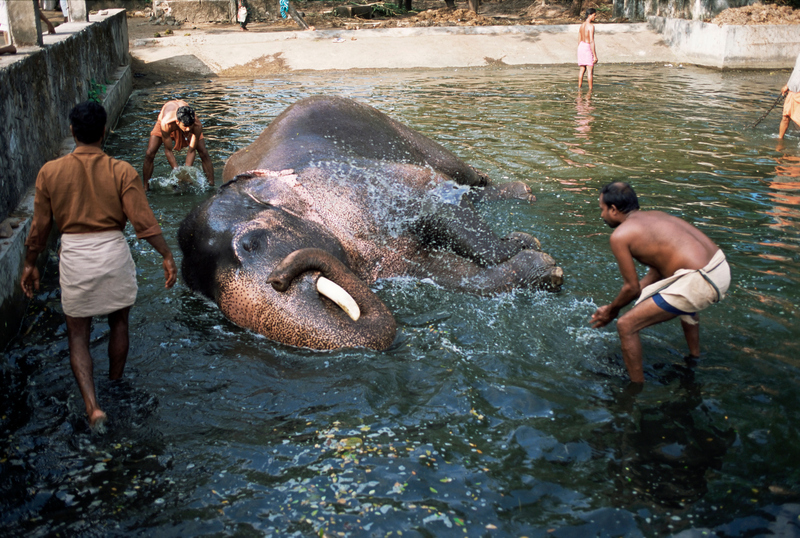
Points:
(336, 189)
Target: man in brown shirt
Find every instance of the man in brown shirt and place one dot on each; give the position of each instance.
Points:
(91, 196)
(177, 127)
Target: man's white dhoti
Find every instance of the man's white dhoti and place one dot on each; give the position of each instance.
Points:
(693, 290)
(97, 274)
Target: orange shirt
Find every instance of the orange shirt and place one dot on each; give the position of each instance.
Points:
(88, 191)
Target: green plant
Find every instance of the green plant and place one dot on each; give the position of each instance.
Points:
(388, 10)
(96, 91)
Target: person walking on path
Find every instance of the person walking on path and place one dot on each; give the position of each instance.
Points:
(243, 14)
(687, 273)
(91, 196)
(791, 106)
(177, 127)
(587, 54)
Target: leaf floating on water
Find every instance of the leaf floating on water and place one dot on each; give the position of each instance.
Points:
(352, 442)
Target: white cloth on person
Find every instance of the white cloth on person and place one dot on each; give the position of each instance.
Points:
(97, 274)
(693, 290)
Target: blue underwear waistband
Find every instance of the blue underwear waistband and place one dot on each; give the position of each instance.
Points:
(664, 305)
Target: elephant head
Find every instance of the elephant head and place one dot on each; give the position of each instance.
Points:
(272, 271)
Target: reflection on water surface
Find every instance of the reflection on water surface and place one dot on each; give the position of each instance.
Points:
(501, 416)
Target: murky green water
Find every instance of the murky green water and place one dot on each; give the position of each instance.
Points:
(503, 416)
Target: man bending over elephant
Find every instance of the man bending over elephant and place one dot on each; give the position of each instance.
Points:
(177, 127)
(688, 273)
(91, 196)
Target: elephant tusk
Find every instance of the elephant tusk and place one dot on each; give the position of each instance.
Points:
(338, 295)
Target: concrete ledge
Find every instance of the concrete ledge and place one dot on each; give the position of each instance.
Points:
(39, 86)
(435, 47)
(117, 94)
(728, 46)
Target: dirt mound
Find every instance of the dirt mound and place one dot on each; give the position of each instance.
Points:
(450, 17)
(758, 14)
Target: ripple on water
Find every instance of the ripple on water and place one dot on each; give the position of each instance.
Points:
(508, 414)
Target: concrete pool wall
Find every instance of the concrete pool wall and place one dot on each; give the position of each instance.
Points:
(757, 46)
(38, 88)
(660, 40)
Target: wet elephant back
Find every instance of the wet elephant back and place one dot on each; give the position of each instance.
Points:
(324, 128)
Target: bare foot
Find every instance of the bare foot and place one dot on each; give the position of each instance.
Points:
(8, 49)
(97, 421)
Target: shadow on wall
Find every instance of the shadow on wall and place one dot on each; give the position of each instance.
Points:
(638, 10)
(214, 10)
(130, 5)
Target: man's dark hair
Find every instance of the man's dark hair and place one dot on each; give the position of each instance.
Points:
(621, 195)
(589, 12)
(185, 115)
(88, 119)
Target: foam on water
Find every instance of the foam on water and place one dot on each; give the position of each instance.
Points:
(181, 180)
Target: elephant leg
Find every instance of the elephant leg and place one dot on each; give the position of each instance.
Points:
(527, 269)
(462, 231)
(513, 190)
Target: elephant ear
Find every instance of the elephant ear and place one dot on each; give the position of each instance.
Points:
(206, 234)
(200, 256)
(276, 188)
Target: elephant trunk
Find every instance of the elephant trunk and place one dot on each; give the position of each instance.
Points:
(372, 323)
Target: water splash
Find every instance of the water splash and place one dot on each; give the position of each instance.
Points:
(182, 180)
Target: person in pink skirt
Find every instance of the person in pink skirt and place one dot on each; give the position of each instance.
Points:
(587, 55)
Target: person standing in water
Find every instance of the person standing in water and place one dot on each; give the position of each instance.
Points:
(587, 54)
(687, 273)
(791, 107)
(90, 196)
(177, 127)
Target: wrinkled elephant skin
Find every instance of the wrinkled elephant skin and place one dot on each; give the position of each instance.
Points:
(336, 189)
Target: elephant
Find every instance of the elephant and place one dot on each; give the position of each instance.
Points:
(335, 194)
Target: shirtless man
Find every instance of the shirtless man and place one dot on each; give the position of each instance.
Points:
(587, 55)
(688, 273)
(177, 128)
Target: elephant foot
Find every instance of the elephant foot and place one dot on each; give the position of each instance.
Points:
(537, 270)
(528, 269)
(513, 190)
(524, 240)
(554, 279)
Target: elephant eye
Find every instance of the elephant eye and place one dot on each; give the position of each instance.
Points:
(250, 244)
